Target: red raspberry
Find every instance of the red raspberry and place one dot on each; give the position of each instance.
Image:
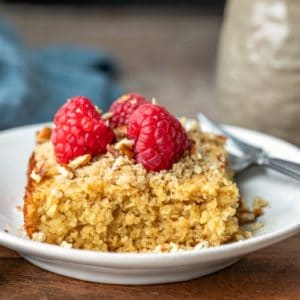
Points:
(159, 138)
(79, 129)
(123, 107)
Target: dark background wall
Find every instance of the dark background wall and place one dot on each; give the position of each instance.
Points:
(124, 2)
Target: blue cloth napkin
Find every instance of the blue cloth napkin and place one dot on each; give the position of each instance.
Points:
(35, 83)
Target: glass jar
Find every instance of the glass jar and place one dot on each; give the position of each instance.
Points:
(258, 69)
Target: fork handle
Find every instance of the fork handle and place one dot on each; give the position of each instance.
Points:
(286, 167)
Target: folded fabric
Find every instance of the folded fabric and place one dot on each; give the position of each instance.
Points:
(35, 83)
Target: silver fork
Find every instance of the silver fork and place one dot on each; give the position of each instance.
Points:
(249, 154)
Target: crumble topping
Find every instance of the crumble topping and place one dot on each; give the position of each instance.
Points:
(38, 236)
(247, 215)
(43, 135)
(80, 161)
(125, 146)
(107, 116)
(36, 177)
(65, 172)
(66, 245)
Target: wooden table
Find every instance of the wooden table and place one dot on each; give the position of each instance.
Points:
(168, 54)
(272, 273)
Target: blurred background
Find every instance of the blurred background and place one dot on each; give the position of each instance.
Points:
(165, 50)
(175, 51)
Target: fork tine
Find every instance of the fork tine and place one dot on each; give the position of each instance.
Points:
(244, 147)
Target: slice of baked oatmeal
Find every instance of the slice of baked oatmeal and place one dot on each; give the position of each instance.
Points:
(110, 203)
(144, 185)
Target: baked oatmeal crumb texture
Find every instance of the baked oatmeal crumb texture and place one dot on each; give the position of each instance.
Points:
(110, 203)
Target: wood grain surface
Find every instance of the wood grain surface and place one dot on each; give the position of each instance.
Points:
(272, 273)
(168, 54)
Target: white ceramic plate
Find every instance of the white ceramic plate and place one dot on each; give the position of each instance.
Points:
(281, 220)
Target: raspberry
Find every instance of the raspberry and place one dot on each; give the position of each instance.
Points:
(159, 138)
(79, 129)
(123, 107)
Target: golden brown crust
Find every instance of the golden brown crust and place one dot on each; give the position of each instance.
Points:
(30, 218)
